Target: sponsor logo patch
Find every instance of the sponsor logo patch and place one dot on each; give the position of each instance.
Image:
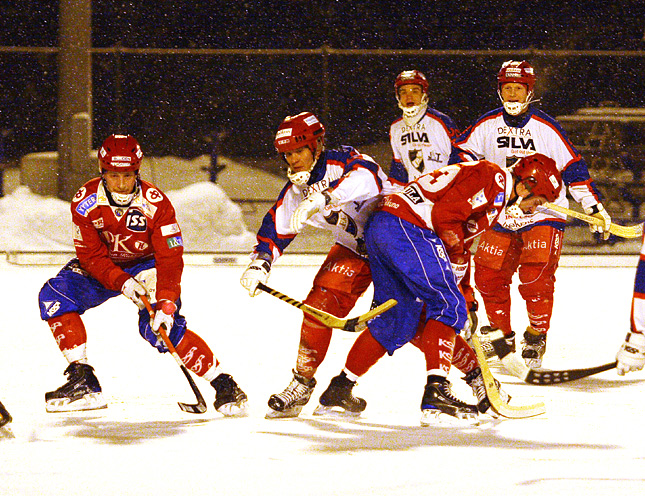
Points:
(175, 242)
(499, 199)
(136, 221)
(170, 229)
(86, 205)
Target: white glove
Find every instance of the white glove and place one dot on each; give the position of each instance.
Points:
(631, 355)
(134, 290)
(599, 212)
(257, 272)
(164, 315)
(307, 208)
(459, 270)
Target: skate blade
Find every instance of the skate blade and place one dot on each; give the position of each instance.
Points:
(438, 418)
(91, 401)
(239, 409)
(335, 412)
(288, 413)
(533, 363)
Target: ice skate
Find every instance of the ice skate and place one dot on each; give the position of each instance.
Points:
(534, 346)
(487, 345)
(439, 406)
(82, 391)
(5, 417)
(230, 400)
(475, 380)
(338, 400)
(289, 403)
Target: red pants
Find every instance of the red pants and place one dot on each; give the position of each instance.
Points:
(341, 280)
(534, 254)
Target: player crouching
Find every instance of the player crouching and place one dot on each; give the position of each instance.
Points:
(128, 242)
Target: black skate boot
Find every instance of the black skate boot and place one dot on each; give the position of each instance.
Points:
(230, 400)
(289, 402)
(82, 391)
(339, 400)
(487, 345)
(475, 380)
(534, 346)
(5, 418)
(440, 406)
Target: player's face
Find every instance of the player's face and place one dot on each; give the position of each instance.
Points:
(410, 95)
(514, 92)
(300, 159)
(120, 182)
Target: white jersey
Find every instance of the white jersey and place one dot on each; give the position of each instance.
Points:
(493, 138)
(355, 179)
(422, 147)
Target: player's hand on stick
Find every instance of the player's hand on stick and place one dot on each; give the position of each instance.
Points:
(598, 211)
(257, 272)
(313, 204)
(134, 290)
(164, 315)
(631, 355)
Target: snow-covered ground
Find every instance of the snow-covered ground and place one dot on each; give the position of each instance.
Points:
(590, 441)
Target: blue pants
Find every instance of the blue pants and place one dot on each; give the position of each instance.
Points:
(411, 265)
(74, 290)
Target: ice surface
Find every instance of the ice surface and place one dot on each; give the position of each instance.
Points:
(591, 441)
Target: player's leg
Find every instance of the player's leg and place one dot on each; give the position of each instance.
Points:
(341, 280)
(538, 263)
(62, 300)
(496, 260)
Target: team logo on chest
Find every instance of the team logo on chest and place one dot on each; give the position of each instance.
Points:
(136, 221)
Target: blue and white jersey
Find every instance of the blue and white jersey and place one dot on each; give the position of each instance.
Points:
(494, 138)
(422, 147)
(355, 179)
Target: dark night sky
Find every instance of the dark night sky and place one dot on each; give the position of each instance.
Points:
(440, 24)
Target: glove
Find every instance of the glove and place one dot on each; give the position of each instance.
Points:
(459, 270)
(314, 203)
(599, 212)
(631, 355)
(164, 315)
(134, 290)
(257, 272)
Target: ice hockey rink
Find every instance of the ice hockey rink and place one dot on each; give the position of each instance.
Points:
(591, 441)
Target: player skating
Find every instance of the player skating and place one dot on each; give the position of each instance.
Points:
(127, 241)
(421, 141)
(334, 190)
(416, 245)
(530, 245)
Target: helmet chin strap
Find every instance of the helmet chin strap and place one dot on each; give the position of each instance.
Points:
(300, 178)
(514, 210)
(516, 108)
(411, 115)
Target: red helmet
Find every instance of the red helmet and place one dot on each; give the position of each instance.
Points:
(539, 175)
(300, 130)
(411, 77)
(513, 71)
(120, 153)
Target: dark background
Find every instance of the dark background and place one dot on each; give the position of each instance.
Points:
(174, 102)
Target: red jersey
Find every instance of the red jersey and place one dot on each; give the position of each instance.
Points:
(108, 238)
(458, 202)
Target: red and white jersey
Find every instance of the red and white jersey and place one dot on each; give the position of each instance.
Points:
(108, 237)
(494, 139)
(421, 147)
(458, 202)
